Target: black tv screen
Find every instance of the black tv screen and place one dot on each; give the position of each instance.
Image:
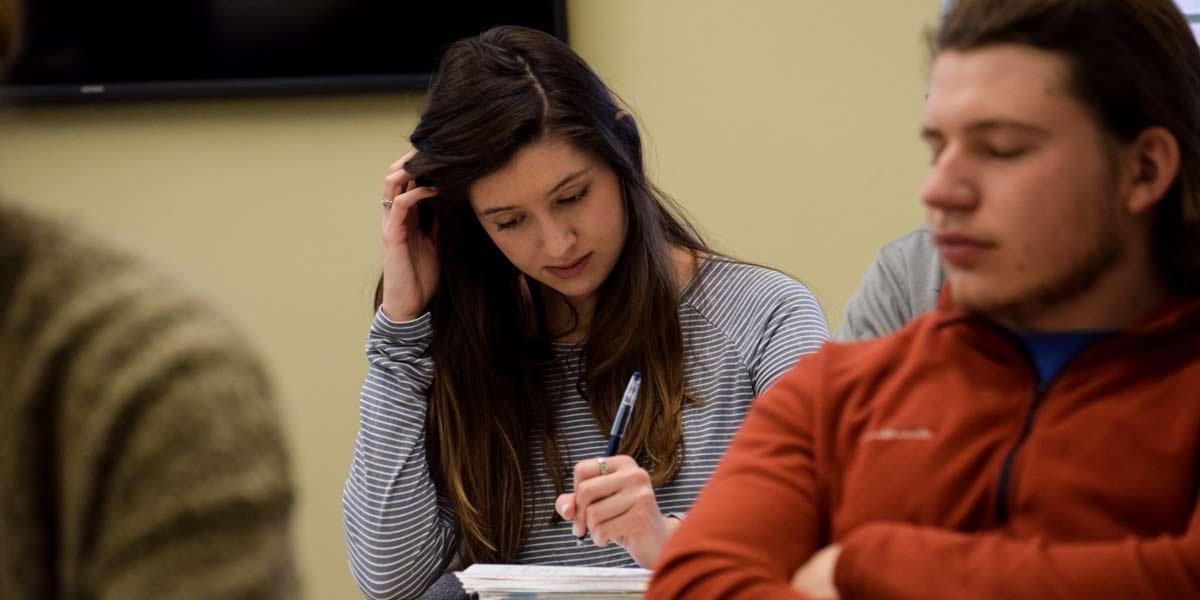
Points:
(76, 49)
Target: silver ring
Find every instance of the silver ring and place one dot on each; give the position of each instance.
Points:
(603, 466)
(387, 202)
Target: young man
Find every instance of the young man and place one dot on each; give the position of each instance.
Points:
(1038, 434)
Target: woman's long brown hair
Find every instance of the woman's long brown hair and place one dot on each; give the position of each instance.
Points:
(493, 95)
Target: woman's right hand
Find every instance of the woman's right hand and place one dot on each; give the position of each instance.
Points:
(410, 267)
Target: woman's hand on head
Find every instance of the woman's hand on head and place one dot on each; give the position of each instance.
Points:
(617, 507)
(410, 267)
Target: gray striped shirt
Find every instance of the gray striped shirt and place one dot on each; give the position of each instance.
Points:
(743, 326)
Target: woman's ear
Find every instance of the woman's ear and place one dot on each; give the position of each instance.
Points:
(622, 115)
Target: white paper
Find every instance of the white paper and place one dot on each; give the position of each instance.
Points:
(547, 582)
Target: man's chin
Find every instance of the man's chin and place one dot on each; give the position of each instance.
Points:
(975, 298)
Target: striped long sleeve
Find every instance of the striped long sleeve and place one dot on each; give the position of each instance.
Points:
(399, 536)
(742, 327)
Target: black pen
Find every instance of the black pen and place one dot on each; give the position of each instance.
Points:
(624, 411)
(620, 424)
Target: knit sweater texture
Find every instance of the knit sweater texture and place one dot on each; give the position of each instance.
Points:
(141, 453)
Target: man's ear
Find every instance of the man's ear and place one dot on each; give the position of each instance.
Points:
(1151, 168)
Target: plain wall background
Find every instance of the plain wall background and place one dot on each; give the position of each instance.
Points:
(788, 128)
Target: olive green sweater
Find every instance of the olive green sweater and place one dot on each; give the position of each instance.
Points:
(141, 454)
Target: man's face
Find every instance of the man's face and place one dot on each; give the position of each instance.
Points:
(1021, 195)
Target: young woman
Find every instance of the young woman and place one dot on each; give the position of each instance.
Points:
(529, 269)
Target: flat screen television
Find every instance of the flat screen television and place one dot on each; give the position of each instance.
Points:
(83, 49)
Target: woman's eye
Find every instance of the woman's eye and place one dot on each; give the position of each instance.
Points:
(575, 198)
(510, 223)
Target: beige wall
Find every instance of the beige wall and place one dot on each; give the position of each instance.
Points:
(787, 127)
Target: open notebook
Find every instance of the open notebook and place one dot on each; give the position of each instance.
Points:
(550, 582)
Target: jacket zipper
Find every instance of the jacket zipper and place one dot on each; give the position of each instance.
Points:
(1002, 508)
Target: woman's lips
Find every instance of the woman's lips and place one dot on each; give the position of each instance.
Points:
(572, 269)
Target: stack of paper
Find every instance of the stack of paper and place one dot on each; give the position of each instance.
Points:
(495, 582)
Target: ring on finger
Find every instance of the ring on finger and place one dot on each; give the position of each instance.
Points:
(603, 466)
(387, 202)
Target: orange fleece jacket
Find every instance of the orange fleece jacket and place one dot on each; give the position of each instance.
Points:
(944, 471)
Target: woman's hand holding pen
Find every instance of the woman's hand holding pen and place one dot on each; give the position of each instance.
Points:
(618, 506)
(410, 267)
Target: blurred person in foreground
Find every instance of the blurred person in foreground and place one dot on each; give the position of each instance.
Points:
(141, 454)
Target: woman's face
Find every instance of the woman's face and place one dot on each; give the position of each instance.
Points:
(557, 214)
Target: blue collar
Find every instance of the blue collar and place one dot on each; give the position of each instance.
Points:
(1051, 351)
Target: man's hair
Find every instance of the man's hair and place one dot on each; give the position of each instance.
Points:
(10, 31)
(1134, 64)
